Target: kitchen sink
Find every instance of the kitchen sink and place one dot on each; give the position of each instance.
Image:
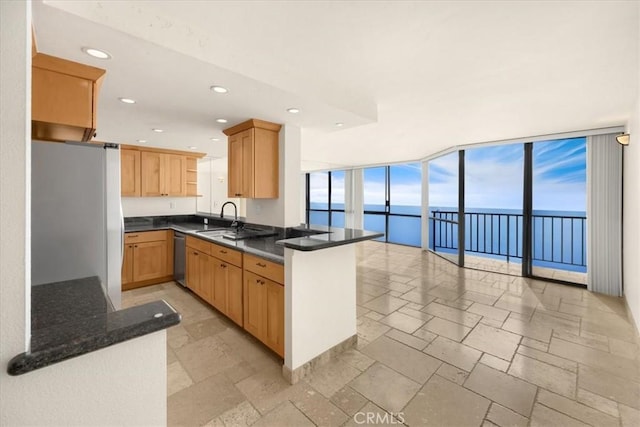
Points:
(241, 234)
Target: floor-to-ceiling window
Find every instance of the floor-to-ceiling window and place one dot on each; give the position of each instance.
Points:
(392, 202)
(443, 205)
(493, 207)
(559, 191)
(374, 189)
(524, 208)
(405, 201)
(325, 198)
(336, 198)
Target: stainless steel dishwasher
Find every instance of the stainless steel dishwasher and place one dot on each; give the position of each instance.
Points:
(179, 257)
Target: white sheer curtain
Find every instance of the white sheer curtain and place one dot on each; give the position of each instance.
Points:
(604, 215)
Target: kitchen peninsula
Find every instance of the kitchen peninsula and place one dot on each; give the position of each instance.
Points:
(310, 278)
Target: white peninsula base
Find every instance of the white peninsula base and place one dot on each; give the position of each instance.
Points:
(320, 307)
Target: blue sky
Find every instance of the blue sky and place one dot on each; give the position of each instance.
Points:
(406, 181)
(494, 177)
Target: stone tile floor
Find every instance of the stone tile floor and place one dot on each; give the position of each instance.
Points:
(438, 346)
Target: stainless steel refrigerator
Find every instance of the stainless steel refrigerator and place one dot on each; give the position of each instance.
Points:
(76, 214)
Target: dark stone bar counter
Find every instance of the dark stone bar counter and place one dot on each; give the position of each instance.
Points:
(74, 317)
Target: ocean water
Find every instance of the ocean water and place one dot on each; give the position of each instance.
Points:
(559, 237)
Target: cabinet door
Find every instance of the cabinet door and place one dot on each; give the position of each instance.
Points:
(266, 165)
(247, 162)
(130, 173)
(254, 304)
(149, 260)
(152, 177)
(274, 316)
(220, 285)
(175, 175)
(127, 266)
(234, 293)
(205, 277)
(191, 275)
(61, 98)
(234, 188)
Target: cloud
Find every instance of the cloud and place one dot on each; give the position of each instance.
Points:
(494, 177)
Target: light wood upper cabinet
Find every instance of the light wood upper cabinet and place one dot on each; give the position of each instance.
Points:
(130, 173)
(253, 157)
(64, 97)
(153, 172)
(163, 174)
(192, 176)
(175, 175)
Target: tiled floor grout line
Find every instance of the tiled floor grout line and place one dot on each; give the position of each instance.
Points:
(394, 274)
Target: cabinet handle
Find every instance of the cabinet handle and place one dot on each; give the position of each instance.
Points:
(132, 235)
(195, 253)
(223, 252)
(262, 282)
(257, 280)
(259, 264)
(135, 246)
(223, 265)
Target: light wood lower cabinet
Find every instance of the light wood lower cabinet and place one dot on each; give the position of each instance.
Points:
(198, 274)
(253, 296)
(227, 291)
(148, 258)
(214, 273)
(264, 310)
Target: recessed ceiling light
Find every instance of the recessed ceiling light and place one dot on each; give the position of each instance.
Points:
(219, 89)
(127, 100)
(221, 120)
(215, 139)
(293, 110)
(191, 147)
(339, 124)
(141, 140)
(96, 53)
(157, 130)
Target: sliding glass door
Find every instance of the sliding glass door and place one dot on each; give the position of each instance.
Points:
(558, 221)
(443, 206)
(392, 202)
(524, 209)
(493, 208)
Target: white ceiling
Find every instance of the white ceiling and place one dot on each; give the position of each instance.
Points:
(407, 78)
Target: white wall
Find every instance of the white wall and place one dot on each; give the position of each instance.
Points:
(151, 206)
(631, 209)
(122, 385)
(320, 301)
(15, 102)
(285, 210)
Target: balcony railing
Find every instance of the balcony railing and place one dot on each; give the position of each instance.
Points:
(556, 239)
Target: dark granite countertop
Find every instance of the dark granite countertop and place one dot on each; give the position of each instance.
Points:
(327, 237)
(72, 318)
(302, 238)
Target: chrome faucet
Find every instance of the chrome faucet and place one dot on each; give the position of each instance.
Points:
(235, 213)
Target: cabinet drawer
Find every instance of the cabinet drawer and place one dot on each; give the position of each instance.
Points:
(225, 254)
(264, 268)
(199, 245)
(145, 236)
